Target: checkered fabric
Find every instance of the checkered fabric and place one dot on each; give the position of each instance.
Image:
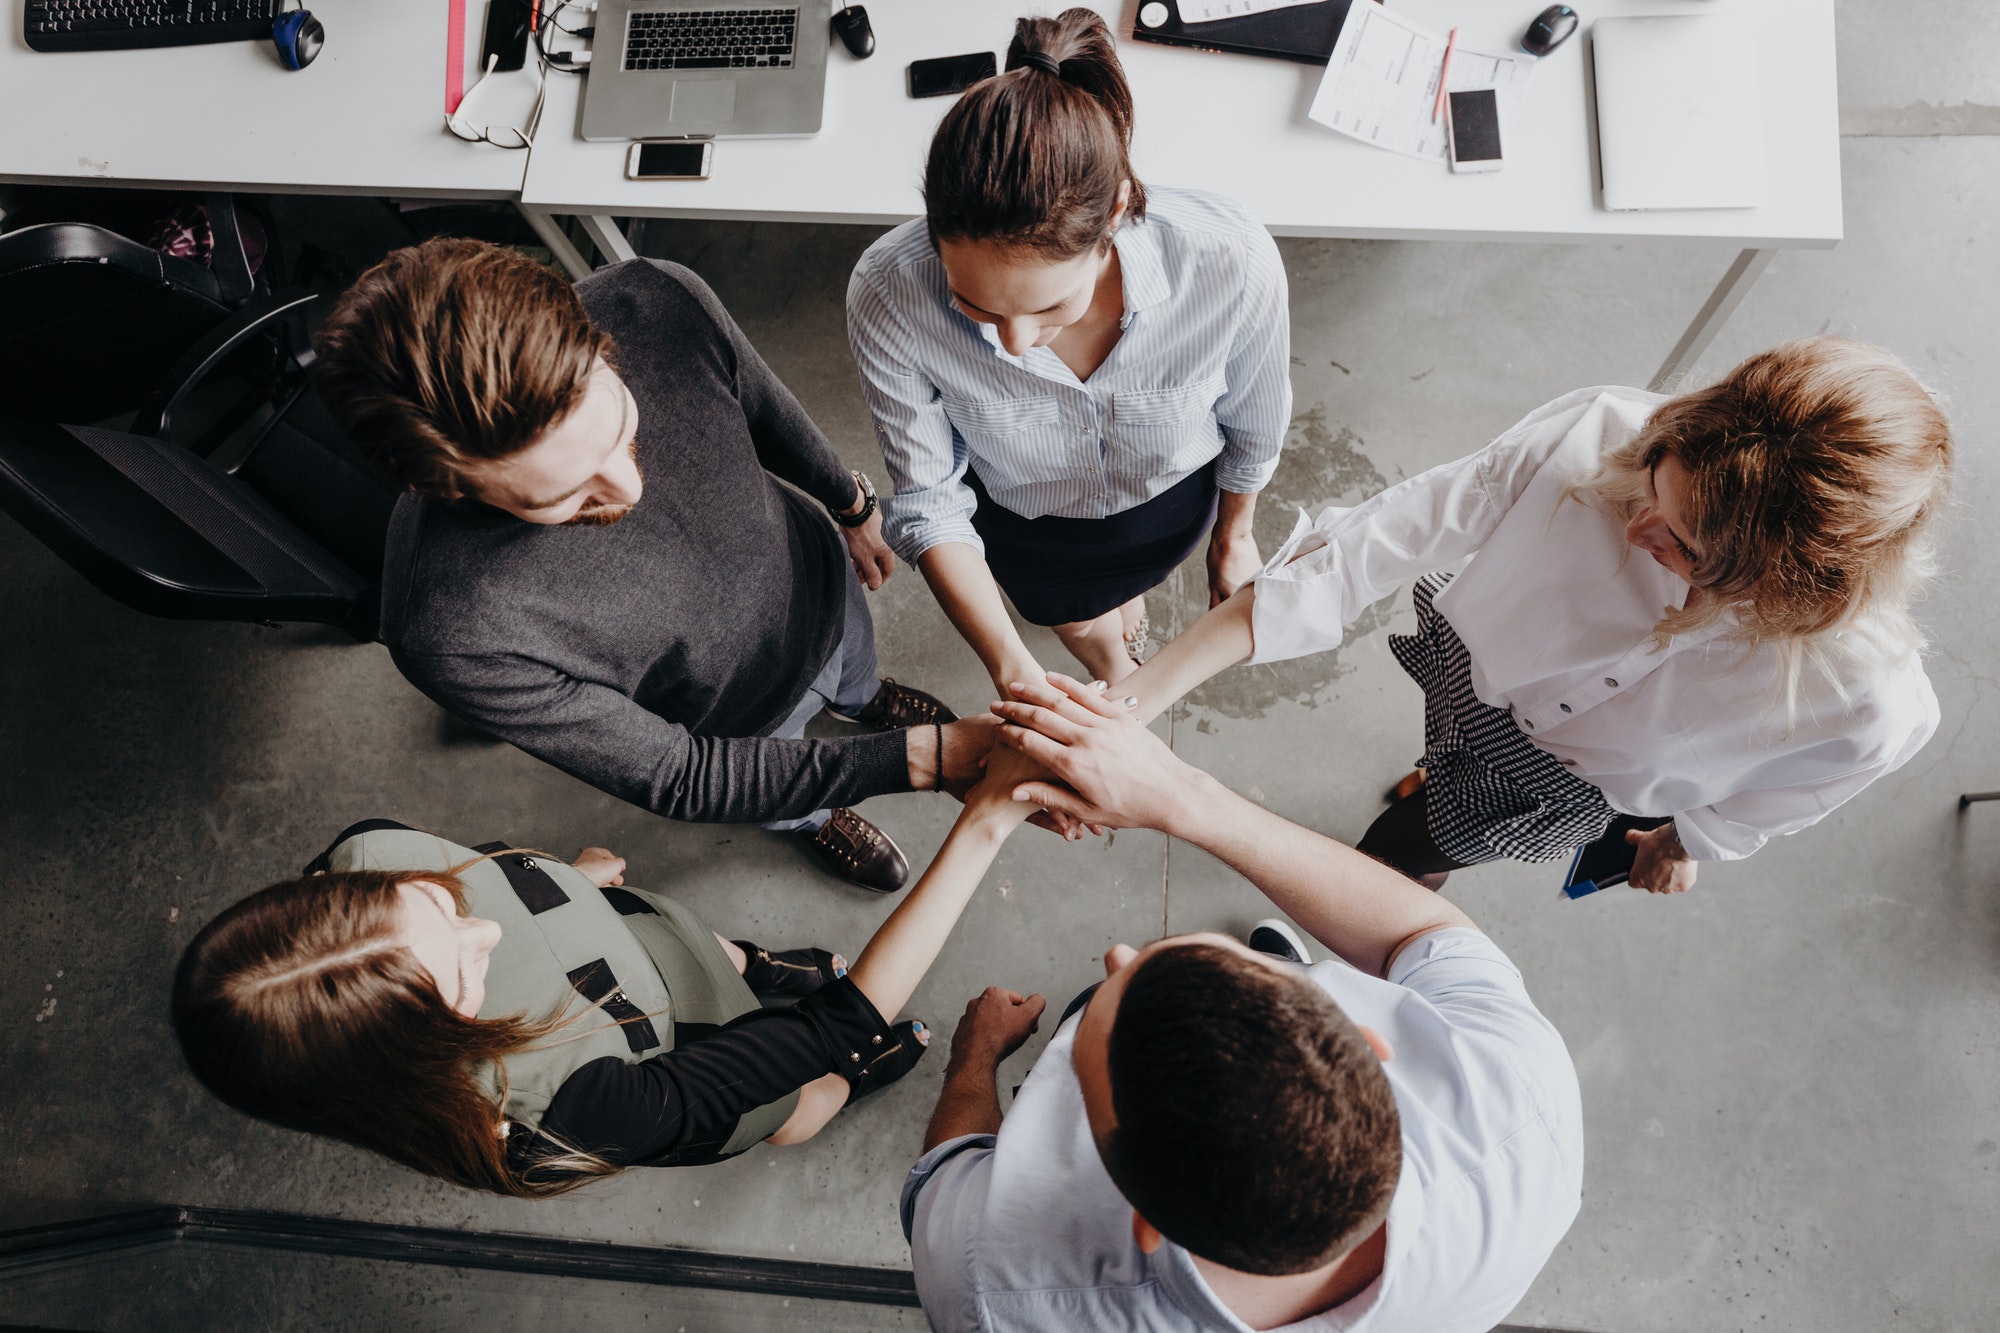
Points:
(1492, 794)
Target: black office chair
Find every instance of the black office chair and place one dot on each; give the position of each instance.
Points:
(96, 317)
(268, 516)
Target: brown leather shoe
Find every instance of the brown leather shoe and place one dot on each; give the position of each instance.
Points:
(858, 852)
(897, 706)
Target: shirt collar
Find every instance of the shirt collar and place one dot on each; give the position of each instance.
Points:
(1183, 1280)
(1142, 267)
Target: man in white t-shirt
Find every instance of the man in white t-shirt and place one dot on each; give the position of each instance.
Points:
(1221, 1139)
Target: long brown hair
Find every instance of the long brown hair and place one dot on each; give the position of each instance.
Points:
(452, 353)
(300, 1006)
(1034, 157)
(1817, 472)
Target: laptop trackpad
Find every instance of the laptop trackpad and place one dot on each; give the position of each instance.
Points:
(703, 101)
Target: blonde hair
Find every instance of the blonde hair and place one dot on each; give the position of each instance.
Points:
(1816, 474)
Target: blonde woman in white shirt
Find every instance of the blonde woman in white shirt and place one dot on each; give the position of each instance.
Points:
(1692, 609)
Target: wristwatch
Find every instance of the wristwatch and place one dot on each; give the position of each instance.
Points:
(867, 504)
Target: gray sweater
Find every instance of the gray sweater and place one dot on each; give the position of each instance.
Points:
(648, 657)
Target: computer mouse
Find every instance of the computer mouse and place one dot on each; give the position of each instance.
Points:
(298, 37)
(851, 26)
(1551, 28)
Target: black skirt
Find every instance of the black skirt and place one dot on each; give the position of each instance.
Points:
(1058, 571)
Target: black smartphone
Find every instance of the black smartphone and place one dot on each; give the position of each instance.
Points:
(681, 160)
(506, 34)
(1607, 862)
(1473, 124)
(950, 74)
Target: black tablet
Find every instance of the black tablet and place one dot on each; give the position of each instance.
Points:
(1607, 862)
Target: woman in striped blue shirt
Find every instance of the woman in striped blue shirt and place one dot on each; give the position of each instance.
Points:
(1073, 378)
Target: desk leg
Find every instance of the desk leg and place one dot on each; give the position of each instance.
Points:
(1722, 303)
(558, 241)
(607, 236)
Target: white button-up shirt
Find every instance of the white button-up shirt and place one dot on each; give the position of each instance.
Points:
(1201, 373)
(1025, 1233)
(1557, 611)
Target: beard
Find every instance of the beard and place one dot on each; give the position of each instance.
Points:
(603, 516)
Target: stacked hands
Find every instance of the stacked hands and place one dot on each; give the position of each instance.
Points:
(1072, 758)
(1067, 756)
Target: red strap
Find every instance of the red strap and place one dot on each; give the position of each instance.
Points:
(454, 58)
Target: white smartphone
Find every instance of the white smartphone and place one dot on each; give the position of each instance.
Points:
(674, 160)
(1473, 123)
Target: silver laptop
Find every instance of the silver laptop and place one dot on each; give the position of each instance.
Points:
(663, 69)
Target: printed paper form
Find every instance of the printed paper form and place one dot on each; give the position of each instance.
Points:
(1208, 11)
(1381, 81)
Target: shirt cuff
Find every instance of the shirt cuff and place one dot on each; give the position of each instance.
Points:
(910, 536)
(1240, 478)
(927, 1165)
(1700, 846)
(847, 1023)
(1298, 609)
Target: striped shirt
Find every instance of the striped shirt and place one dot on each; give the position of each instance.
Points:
(1201, 373)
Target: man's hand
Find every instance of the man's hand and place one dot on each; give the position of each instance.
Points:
(967, 742)
(995, 1024)
(600, 865)
(1117, 773)
(1232, 561)
(873, 561)
(1663, 865)
(1007, 771)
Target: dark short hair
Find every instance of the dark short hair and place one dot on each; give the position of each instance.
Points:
(1256, 1127)
(452, 353)
(1034, 159)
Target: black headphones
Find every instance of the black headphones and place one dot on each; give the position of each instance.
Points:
(298, 37)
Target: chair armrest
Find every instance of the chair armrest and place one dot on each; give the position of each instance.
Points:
(284, 311)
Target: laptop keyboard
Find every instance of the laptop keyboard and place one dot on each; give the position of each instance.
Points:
(710, 38)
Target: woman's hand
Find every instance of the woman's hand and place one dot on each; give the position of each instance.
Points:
(1232, 549)
(1663, 865)
(873, 561)
(1006, 772)
(1112, 771)
(600, 865)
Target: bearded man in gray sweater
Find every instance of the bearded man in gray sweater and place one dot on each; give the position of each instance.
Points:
(597, 558)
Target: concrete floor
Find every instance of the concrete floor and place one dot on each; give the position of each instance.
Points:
(1790, 1074)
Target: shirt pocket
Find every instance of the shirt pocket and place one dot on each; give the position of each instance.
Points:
(1018, 441)
(1157, 432)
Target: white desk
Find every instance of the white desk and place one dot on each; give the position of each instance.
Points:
(367, 117)
(1237, 125)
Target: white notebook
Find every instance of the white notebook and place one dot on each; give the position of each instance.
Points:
(1680, 115)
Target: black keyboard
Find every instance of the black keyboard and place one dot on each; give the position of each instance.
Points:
(107, 25)
(710, 38)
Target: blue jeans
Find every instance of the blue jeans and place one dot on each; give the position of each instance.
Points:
(847, 681)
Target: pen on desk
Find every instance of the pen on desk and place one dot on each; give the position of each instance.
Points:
(1444, 73)
(534, 15)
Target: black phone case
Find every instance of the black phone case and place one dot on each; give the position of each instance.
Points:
(506, 34)
(1607, 862)
(957, 73)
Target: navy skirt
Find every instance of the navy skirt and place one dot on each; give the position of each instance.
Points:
(1058, 571)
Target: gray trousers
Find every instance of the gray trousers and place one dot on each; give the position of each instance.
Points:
(846, 682)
